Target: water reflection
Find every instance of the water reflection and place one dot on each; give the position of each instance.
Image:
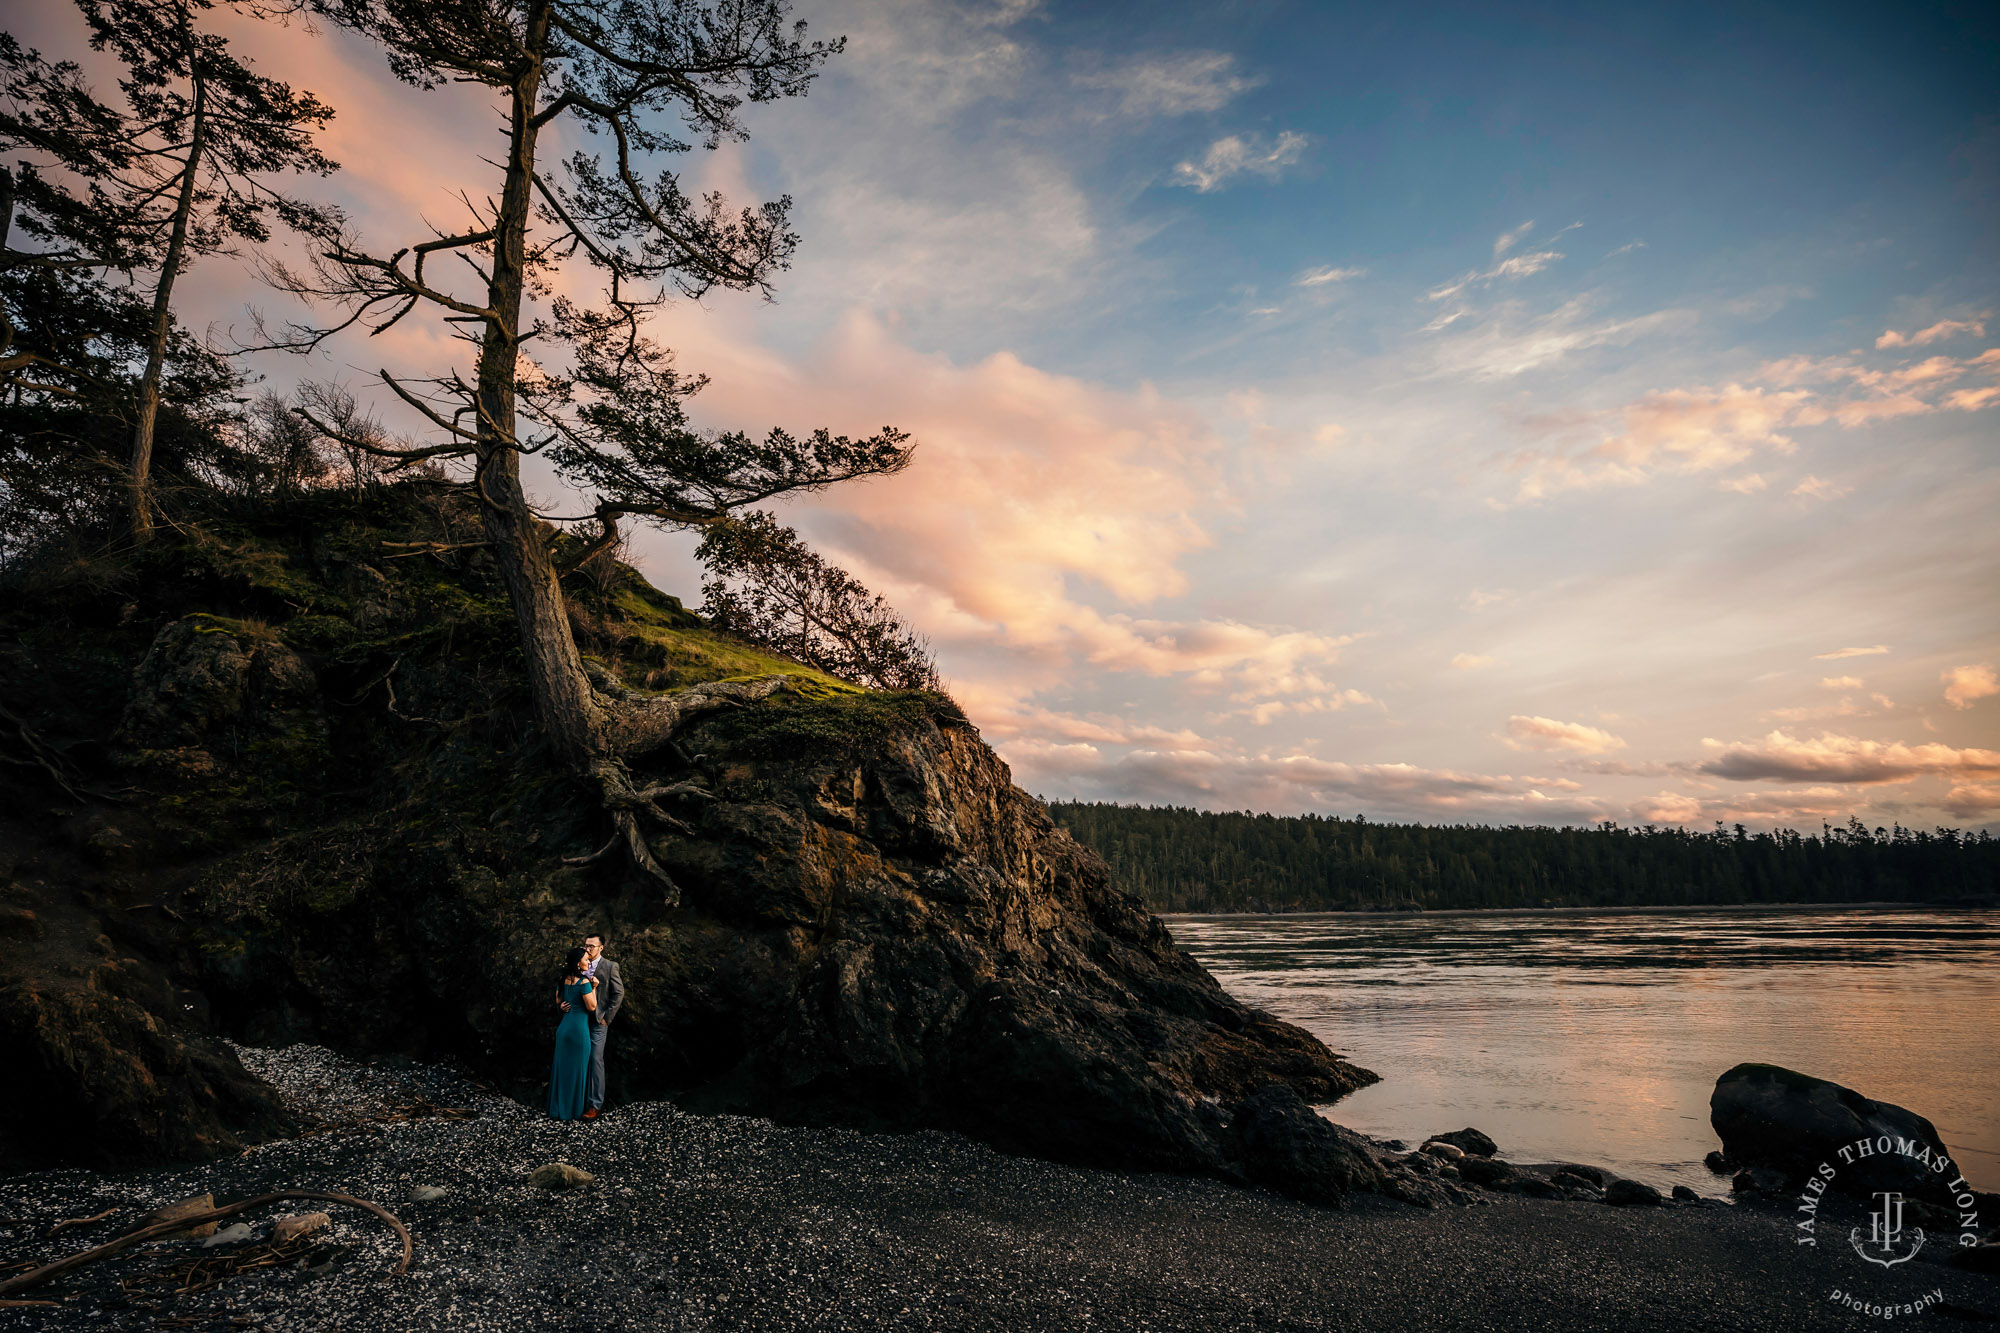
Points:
(1597, 1036)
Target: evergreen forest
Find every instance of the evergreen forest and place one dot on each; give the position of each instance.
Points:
(1186, 860)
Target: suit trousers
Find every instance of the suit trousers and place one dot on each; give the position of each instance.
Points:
(593, 1091)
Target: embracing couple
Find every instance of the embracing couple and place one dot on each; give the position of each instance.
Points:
(589, 992)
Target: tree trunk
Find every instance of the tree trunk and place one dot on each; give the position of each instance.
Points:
(140, 480)
(564, 702)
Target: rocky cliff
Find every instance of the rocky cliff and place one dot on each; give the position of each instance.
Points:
(278, 781)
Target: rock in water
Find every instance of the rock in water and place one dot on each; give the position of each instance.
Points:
(1627, 1193)
(1486, 1171)
(1686, 1194)
(559, 1176)
(1470, 1141)
(1775, 1118)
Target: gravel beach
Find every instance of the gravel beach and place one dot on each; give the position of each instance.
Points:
(725, 1222)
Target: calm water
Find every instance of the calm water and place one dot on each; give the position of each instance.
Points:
(1598, 1036)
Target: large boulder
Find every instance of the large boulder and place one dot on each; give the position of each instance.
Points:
(1777, 1119)
(217, 684)
(1286, 1146)
(874, 927)
(870, 923)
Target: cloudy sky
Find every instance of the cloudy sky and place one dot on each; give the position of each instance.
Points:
(1445, 413)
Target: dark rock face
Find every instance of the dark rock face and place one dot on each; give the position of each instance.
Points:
(210, 682)
(1285, 1146)
(340, 827)
(1781, 1121)
(895, 935)
(98, 1074)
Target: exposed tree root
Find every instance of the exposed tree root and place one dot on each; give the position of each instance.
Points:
(40, 1275)
(640, 724)
(31, 751)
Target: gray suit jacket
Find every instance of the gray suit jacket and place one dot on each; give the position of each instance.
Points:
(610, 991)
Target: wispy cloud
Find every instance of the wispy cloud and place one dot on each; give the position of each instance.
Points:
(1513, 266)
(1840, 682)
(1818, 488)
(1938, 332)
(1506, 240)
(1504, 344)
(1320, 277)
(1625, 249)
(1874, 650)
(1170, 85)
(1241, 155)
(1679, 430)
(1470, 662)
(1705, 429)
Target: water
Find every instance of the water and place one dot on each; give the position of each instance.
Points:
(1597, 1036)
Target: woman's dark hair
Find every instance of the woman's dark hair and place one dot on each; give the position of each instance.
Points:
(572, 968)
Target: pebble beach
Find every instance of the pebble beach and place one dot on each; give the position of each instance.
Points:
(732, 1223)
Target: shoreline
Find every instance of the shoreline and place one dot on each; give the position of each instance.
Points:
(1642, 910)
(734, 1223)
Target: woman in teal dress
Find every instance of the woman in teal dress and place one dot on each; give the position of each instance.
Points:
(571, 1070)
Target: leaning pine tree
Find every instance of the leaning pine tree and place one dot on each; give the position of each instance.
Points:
(135, 188)
(604, 401)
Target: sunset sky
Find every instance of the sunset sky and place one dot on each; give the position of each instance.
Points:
(1443, 413)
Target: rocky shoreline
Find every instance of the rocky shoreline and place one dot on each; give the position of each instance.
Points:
(722, 1222)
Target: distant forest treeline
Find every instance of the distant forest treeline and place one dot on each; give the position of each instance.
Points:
(1184, 860)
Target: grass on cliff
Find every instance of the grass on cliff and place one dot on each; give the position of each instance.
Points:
(393, 601)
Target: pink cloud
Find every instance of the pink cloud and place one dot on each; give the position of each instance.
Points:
(1938, 332)
(1966, 685)
(1778, 807)
(1676, 430)
(1208, 778)
(1685, 431)
(1973, 801)
(1545, 733)
(1781, 757)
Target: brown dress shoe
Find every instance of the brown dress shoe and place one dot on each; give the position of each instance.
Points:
(590, 1113)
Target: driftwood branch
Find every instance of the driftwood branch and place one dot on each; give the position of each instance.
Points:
(81, 1221)
(36, 1277)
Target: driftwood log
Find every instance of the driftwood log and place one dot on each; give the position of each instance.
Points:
(37, 1276)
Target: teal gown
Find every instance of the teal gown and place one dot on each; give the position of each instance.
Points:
(571, 1071)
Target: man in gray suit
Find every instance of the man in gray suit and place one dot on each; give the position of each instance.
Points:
(610, 998)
